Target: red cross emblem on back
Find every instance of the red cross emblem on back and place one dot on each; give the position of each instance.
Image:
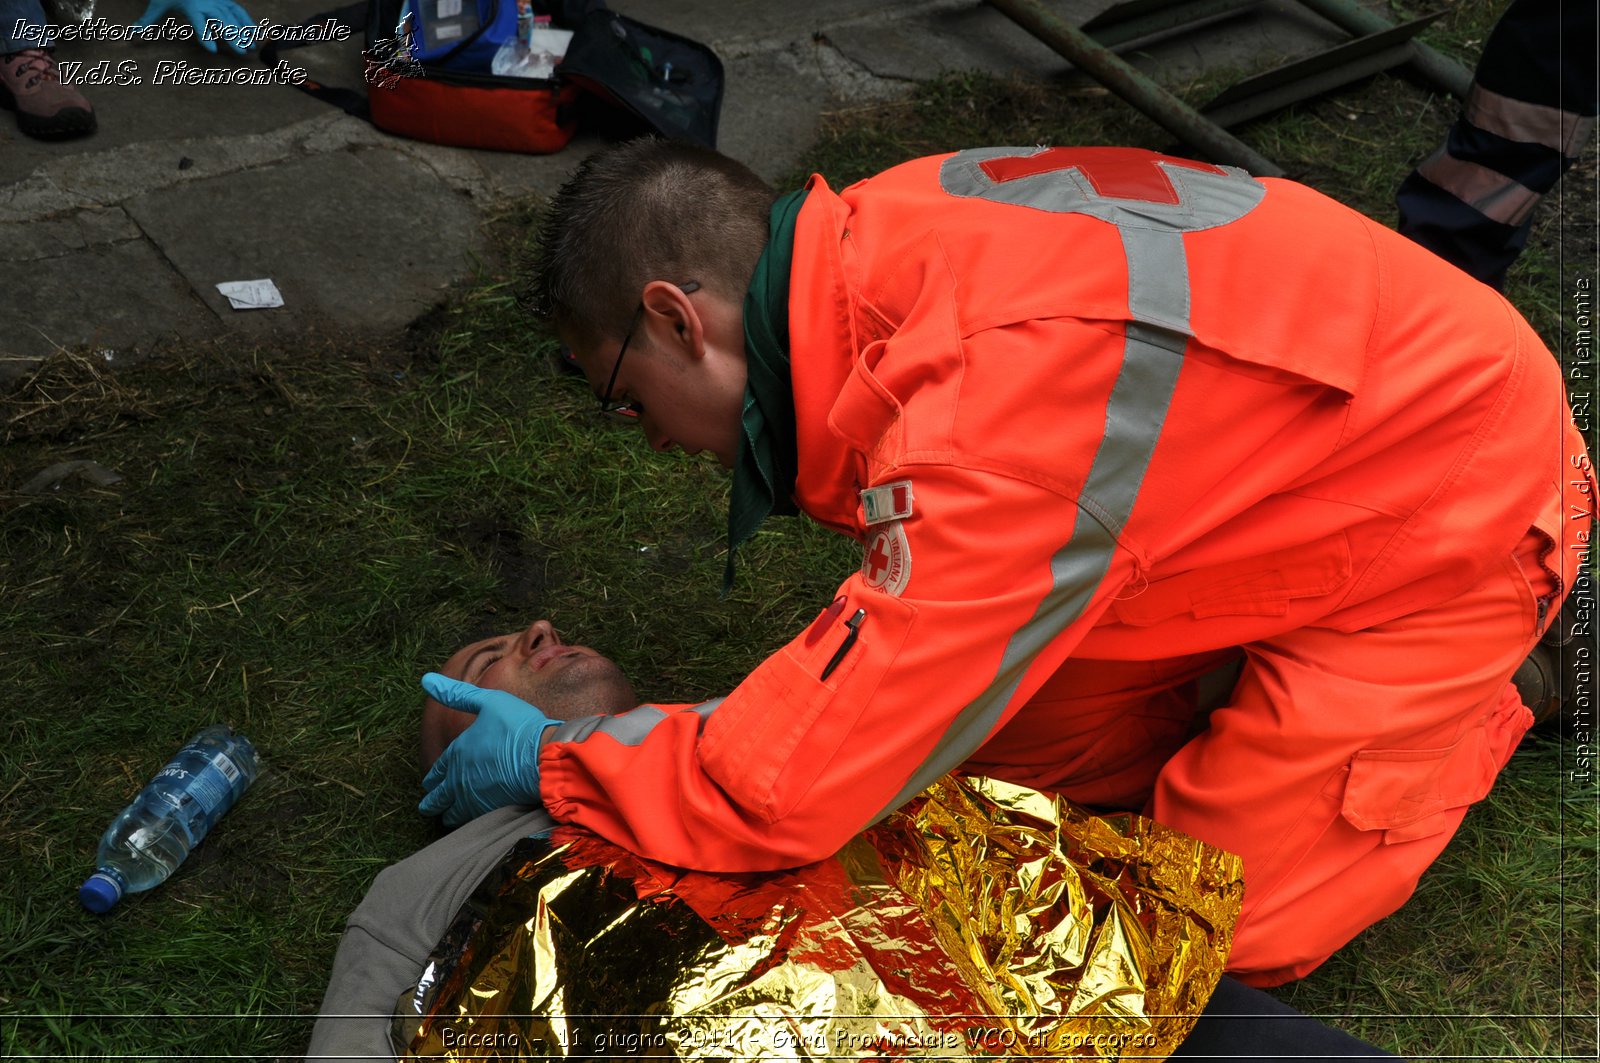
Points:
(1116, 173)
(1128, 187)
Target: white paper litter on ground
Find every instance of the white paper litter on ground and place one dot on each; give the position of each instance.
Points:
(252, 295)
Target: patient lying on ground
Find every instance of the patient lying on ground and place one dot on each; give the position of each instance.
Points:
(567, 682)
(392, 936)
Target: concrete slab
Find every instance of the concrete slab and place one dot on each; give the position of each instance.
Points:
(90, 282)
(739, 27)
(769, 139)
(80, 231)
(504, 176)
(930, 43)
(942, 39)
(364, 240)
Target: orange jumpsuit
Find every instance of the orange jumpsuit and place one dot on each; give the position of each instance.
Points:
(1104, 421)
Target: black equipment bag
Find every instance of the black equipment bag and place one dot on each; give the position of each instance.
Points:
(671, 84)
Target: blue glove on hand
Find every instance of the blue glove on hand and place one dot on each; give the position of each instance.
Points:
(493, 763)
(197, 12)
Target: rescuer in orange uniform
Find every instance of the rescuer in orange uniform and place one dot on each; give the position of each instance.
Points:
(1104, 422)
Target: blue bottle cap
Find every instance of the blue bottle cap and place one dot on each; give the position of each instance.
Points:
(99, 893)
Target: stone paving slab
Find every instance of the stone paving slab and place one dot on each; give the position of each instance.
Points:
(353, 240)
(103, 293)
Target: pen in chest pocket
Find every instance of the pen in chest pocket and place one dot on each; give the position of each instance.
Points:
(854, 624)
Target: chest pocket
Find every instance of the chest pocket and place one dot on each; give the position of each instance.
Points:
(785, 727)
(1257, 586)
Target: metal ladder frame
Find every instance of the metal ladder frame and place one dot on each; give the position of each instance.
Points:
(1376, 46)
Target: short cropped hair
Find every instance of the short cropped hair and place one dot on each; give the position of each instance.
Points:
(646, 209)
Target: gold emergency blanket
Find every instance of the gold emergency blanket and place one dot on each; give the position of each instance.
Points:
(982, 919)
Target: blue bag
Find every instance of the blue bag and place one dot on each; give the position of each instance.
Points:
(462, 34)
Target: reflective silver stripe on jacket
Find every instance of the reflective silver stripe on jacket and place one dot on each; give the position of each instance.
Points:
(630, 728)
(1158, 301)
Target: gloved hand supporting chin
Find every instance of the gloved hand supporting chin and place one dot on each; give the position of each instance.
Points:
(493, 763)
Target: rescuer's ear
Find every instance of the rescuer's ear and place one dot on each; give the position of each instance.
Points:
(671, 319)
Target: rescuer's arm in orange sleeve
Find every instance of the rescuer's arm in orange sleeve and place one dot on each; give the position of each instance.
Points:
(790, 765)
(1008, 562)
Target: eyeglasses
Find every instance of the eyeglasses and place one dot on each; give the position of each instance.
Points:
(631, 407)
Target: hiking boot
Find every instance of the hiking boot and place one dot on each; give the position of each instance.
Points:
(47, 109)
(1561, 669)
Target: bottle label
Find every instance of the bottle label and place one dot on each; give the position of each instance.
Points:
(229, 770)
(212, 786)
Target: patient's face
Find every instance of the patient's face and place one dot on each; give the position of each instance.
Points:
(565, 682)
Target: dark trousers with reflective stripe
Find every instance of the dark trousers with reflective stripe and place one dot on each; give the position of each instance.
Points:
(1530, 111)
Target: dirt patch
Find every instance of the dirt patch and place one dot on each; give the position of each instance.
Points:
(72, 394)
(521, 566)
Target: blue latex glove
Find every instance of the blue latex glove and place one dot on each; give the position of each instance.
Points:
(195, 12)
(493, 763)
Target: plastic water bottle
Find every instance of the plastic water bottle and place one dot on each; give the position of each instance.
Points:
(151, 837)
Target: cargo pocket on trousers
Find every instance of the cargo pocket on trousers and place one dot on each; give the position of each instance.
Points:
(1413, 793)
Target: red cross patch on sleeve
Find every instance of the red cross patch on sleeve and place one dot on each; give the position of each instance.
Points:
(886, 562)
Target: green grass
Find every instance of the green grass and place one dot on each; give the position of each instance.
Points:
(299, 533)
